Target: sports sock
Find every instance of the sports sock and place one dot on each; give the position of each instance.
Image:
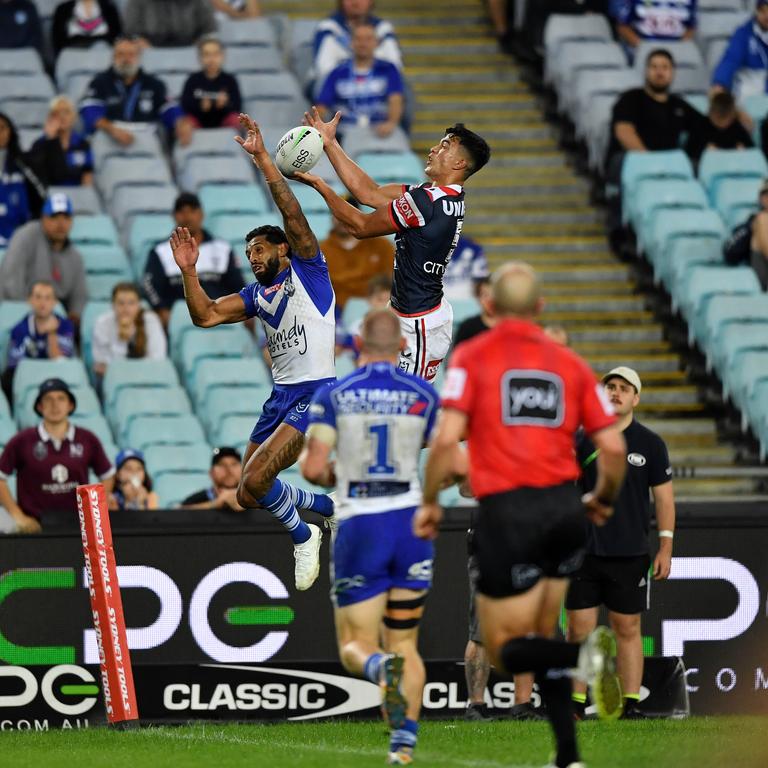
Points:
(537, 654)
(372, 667)
(633, 697)
(315, 502)
(556, 695)
(404, 737)
(579, 703)
(278, 502)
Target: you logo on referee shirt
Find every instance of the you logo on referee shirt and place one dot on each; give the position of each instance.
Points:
(532, 398)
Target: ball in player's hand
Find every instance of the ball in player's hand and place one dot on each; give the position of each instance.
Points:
(299, 150)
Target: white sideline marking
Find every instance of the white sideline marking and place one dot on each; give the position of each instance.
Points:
(209, 736)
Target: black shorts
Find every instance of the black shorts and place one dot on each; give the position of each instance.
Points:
(527, 534)
(621, 584)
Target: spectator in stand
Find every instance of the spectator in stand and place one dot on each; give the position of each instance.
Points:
(50, 461)
(81, 23)
(20, 25)
(41, 250)
(169, 23)
(758, 225)
(722, 129)
(237, 9)
(352, 262)
(41, 335)
(472, 326)
(466, 268)
(62, 157)
(743, 69)
(226, 469)
(217, 266)
(648, 118)
(127, 331)
(366, 90)
(133, 486)
(211, 97)
(125, 98)
(333, 38)
(377, 297)
(14, 200)
(638, 20)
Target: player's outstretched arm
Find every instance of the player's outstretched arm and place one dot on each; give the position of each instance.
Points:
(300, 237)
(360, 185)
(203, 310)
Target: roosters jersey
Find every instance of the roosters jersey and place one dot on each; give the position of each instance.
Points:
(428, 221)
(297, 312)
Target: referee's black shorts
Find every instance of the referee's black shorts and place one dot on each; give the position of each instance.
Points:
(621, 584)
(527, 534)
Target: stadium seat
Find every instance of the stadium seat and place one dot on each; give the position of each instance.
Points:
(756, 106)
(31, 373)
(320, 223)
(97, 424)
(590, 84)
(233, 198)
(85, 201)
(145, 144)
(34, 87)
(363, 138)
(81, 62)
(206, 142)
(146, 231)
(25, 113)
(355, 310)
(131, 172)
(242, 59)
(178, 324)
(161, 61)
(234, 373)
(386, 168)
(561, 28)
(132, 403)
(5, 408)
(105, 259)
(717, 24)
(233, 430)
(756, 413)
(93, 310)
(277, 86)
(7, 430)
(293, 476)
(93, 230)
(174, 84)
(99, 286)
(245, 401)
(719, 164)
(134, 374)
(215, 170)
(87, 405)
(183, 458)
(597, 128)
(345, 364)
(248, 33)
(583, 57)
(20, 61)
(704, 281)
(277, 111)
(685, 52)
(732, 340)
(233, 227)
(737, 198)
(723, 310)
(672, 164)
(133, 201)
(691, 81)
(652, 195)
(174, 487)
(685, 252)
(223, 342)
(739, 381)
(698, 102)
(164, 430)
(464, 308)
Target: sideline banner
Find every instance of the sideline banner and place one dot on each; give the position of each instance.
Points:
(106, 605)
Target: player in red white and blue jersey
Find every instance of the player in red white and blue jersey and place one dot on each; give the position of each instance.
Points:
(426, 219)
(376, 420)
(294, 300)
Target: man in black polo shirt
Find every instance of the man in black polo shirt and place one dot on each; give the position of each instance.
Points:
(616, 571)
(216, 267)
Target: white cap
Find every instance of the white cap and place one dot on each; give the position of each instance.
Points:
(628, 374)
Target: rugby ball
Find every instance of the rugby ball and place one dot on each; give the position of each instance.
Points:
(298, 150)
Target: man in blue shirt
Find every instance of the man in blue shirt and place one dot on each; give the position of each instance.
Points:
(125, 93)
(366, 90)
(638, 20)
(743, 69)
(376, 420)
(467, 268)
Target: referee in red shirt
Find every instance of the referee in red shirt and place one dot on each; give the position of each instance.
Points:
(520, 397)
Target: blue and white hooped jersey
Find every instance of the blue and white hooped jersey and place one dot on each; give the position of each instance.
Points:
(297, 312)
(379, 418)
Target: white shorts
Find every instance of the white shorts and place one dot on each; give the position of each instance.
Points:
(428, 339)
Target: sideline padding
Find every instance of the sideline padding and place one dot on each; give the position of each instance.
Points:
(106, 605)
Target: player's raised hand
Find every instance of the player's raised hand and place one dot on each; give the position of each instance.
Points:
(326, 130)
(426, 521)
(307, 178)
(253, 143)
(184, 248)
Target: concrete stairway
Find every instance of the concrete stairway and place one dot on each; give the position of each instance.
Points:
(529, 204)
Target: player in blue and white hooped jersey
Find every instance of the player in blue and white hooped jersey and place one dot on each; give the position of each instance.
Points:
(376, 420)
(426, 219)
(294, 300)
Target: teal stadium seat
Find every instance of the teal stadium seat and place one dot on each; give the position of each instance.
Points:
(87, 405)
(135, 374)
(319, 223)
(723, 310)
(756, 107)
(740, 380)
(7, 429)
(217, 199)
(92, 311)
(464, 308)
(293, 476)
(233, 401)
(179, 324)
(105, 259)
(212, 374)
(235, 431)
(132, 403)
(162, 459)
(637, 166)
(97, 424)
(354, 311)
(174, 487)
(345, 364)
(100, 287)
(147, 229)
(719, 164)
(144, 431)
(222, 342)
(705, 281)
(685, 252)
(757, 415)
(233, 227)
(31, 373)
(5, 408)
(93, 230)
(733, 339)
(736, 199)
(392, 167)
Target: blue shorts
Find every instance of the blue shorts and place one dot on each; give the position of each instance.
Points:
(289, 404)
(376, 552)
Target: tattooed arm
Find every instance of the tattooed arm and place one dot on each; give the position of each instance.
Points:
(300, 237)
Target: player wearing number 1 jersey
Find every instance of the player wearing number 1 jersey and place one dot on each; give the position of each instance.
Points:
(377, 419)
(427, 221)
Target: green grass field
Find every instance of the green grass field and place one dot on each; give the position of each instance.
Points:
(723, 742)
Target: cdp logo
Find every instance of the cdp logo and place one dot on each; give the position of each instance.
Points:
(57, 697)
